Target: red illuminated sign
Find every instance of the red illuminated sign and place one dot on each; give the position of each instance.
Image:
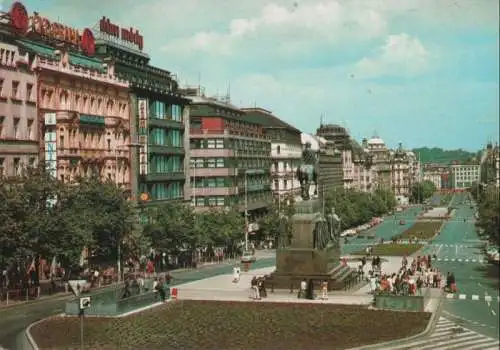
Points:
(24, 24)
(130, 35)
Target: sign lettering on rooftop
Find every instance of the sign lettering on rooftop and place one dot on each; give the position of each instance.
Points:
(130, 35)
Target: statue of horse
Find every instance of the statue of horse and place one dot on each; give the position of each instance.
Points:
(307, 176)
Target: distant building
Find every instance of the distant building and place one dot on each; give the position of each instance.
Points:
(438, 174)
(286, 152)
(465, 175)
(341, 141)
(330, 177)
(490, 165)
(230, 158)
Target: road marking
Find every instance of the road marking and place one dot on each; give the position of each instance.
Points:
(449, 335)
(488, 298)
(450, 296)
(493, 312)
(462, 297)
(459, 260)
(475, 297)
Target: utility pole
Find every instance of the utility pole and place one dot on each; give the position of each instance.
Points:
(246, 212)
(193, 185)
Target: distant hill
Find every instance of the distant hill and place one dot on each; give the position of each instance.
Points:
(442, 156)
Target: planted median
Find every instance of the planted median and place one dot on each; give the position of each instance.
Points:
(409, 241)
(234, 325)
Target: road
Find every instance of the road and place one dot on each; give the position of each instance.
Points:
(458, 249)
(386, 230)
(14, 320)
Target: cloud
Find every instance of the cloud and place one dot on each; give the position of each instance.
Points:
(289, 27)
(401, 55)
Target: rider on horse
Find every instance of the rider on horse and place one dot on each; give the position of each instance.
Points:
(307, 172)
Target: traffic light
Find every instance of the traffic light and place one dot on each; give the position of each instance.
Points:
(84, 303)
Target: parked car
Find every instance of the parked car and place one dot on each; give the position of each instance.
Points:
(248, 257)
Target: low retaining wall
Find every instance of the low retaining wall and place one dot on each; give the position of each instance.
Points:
(402, 302)
(112, 306)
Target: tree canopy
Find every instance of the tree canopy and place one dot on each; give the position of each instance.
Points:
(442, 156)
(488, 200)
(42, 217)
(420, 191)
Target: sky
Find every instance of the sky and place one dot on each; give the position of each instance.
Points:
(420, 72)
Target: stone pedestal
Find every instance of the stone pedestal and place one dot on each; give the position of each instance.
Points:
(301, 260)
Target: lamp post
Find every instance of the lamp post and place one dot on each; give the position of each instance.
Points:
(246, 212)
(119, 240)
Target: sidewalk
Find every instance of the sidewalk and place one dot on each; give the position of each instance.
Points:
(62, 295)
(222, 288)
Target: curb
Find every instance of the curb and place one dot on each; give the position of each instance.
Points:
(27, 332)
(429, 329)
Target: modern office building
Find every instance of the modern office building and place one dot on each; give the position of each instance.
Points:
(465, 175)
(330, 171)
(341, 141)
(160, 116)
(286, 152)
(230, 157)
(83, 107)
(18, 116)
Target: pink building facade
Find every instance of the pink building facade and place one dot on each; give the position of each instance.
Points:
(18, 112)
(83, 115)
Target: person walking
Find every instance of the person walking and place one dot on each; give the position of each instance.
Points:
(324, 290)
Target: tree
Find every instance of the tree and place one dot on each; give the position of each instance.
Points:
(489, 212)
(277, 220)
(420, 191)
(173, 228)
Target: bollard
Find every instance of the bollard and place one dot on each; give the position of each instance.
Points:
(173, 293)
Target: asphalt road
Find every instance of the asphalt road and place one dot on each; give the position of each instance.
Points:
(14, 320)
(459, 250)
(386, 230)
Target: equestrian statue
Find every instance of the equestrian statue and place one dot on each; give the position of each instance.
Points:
(307, 172)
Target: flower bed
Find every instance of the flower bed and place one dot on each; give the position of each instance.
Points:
(422, 230)
(392, 249)
(234, 325)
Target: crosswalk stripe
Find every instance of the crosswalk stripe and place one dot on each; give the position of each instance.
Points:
(475, 297)
(448, 335)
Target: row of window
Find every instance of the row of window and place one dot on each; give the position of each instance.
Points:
(16, 166)
(165, 164)
(166, 191)
(220, 181)
(240, 163)
(164, 137)
(16, 92)
(235, 144)
(18, 129)
(227, 201)
(162, 110)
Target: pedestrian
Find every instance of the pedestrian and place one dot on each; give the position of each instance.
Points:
(302, 289)
(236, 274)
(254, 289)
(324, 290)
(310, 290)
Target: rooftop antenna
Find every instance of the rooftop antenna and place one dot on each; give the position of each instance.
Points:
(199, 83)
(321, 120)
(228, 94)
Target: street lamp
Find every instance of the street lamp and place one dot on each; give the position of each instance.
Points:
(246, 211)
(119, 240)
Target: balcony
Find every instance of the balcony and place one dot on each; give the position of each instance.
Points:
(164, 149)
(213, 191)
(282, 172)
(285, 155)
(211, 152)
(69, 152)
(81, 72)
(171, 176)
(208, 172)
(166, 123)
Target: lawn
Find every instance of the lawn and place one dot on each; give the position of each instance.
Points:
(422, 230)
(392, 249)
(214, 325)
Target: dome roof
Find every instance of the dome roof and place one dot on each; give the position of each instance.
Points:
(376, 141)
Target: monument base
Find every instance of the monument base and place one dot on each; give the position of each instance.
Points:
(302, 259)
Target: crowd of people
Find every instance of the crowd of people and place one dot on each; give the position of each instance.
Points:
(410, 279)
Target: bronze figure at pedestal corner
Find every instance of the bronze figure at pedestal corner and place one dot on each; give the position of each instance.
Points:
(307, 172)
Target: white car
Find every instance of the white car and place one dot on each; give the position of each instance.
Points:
(248, 257)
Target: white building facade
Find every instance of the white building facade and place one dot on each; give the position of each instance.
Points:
(285, 160)
(464, 175)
